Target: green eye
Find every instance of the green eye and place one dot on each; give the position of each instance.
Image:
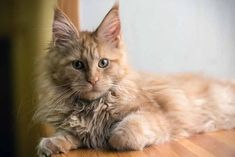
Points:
(78, 65)
(103, 63)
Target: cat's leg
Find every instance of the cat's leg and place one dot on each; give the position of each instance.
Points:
(139, 130)
(61, 142)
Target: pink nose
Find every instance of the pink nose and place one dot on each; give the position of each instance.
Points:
(93, 80)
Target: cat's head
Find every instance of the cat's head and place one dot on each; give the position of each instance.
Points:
(87, 63)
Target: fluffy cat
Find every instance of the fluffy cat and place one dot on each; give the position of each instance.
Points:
(94, 99)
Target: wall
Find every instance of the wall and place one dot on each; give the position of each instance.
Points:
(168, 36)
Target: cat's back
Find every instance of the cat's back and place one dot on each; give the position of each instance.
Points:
(191, 84)
(196, 88)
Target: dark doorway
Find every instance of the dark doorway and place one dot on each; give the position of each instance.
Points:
(6, 103)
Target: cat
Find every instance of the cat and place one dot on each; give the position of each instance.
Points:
(94, 99)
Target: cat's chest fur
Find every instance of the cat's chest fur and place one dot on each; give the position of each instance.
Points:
(92, 122)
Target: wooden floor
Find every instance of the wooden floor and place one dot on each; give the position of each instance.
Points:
(216, 144)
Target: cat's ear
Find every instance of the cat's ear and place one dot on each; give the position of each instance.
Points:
(64, 32)
(110, 28)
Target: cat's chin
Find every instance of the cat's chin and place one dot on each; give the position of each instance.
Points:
(92, 95)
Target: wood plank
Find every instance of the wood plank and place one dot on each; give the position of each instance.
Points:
(181, 150)
(195, 148)
(227, 137)
(213, 146)
(71, 9)
(217, 144)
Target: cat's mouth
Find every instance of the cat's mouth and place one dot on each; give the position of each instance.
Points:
(92, 92)
(93, 88)
(89, 100)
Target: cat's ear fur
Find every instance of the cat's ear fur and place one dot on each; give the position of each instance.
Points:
(110, 28)
(64, 32)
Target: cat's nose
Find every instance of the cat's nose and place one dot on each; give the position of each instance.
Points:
(93, 80)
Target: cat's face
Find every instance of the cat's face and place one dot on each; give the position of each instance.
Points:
(88, 64)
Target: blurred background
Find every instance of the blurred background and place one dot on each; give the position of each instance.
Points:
(25, 32)
(162, 36)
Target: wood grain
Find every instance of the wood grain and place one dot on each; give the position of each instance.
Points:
(215, 144)
(71, 9)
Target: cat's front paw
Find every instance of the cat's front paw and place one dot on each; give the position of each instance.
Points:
(134, 132)
(124, 140)
(50, 146)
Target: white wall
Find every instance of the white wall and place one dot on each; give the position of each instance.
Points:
(173, 36)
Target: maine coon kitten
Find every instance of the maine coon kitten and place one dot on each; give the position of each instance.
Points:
(94, 99)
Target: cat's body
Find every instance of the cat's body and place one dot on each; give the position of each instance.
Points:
(112, 106)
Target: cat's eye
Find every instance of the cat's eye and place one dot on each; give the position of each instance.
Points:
(103, 63)
(78, 65)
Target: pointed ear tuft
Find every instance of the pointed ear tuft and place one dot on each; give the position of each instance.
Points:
(116, 5)
(63, 30)
(110, 28)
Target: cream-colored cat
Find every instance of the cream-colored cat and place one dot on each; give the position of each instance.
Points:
(94, 99)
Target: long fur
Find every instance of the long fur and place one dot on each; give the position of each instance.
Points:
(129, 110)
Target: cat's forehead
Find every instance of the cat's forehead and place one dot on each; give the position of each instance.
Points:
(87, 40)
(87, 46)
